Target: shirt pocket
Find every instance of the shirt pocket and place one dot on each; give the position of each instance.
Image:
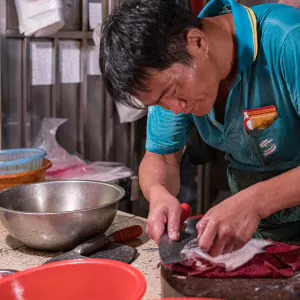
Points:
(268, 145)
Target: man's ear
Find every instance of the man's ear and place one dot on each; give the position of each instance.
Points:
(196, 42)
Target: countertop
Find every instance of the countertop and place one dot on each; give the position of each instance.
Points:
(14, 255)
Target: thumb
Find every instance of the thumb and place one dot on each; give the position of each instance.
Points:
(174, 222)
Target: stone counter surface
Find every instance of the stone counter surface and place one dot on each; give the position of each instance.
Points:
(14, 255)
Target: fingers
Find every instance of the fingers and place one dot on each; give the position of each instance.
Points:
(229, 247)
(208, 234)
(218, 246)
(238, 246)
(236, 243)
(222, 239)
(174, 213)
(215, 239)
(201, 226)
(155, 229)
(156, 224)
(162, 214)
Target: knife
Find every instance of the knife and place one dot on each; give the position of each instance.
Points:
(98, 242)
(169, 250)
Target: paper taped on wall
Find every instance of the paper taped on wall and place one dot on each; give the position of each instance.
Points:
(41, 63)
(93, 67)
(95, 14)
(69, 61)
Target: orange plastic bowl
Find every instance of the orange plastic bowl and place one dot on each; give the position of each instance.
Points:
(88, 279)
(11, 180)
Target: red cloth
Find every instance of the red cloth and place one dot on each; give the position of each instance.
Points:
(279, 260)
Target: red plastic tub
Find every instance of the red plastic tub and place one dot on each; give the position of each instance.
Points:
(188, 298)
(89, 279)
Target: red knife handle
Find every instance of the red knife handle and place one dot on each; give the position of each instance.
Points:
(200, 216)
(185, 213)
(127, 234)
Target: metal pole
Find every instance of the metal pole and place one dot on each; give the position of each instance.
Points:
(83, 85)
(109, 108)
(25, 89)
(56, 78)
(3, 81)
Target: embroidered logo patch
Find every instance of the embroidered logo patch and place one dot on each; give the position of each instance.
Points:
(259, 118)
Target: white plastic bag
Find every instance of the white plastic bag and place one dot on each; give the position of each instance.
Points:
(66, 166)
(98, 171)
(46, 140)
(40, 17)
(129, 114)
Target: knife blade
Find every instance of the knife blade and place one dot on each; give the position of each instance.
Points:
(169, 250)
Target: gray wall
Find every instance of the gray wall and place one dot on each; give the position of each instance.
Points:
(93, 129)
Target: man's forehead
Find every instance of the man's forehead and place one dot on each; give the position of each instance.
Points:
(161, 78)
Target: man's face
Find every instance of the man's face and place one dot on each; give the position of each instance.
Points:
(185, 89)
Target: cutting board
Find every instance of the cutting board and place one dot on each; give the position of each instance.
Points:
(174, 285)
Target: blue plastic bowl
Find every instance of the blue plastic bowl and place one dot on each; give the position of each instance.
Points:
(14, 161)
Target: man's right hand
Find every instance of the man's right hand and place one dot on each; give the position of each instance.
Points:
(164, 210)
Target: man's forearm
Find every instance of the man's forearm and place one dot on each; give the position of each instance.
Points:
(157, 171)
(278, 193)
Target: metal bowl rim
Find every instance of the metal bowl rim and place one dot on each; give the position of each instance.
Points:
(117, 187)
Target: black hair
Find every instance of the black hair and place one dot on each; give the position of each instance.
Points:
(140, 35)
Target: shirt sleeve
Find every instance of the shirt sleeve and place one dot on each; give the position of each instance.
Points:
(166, 132)
(290, 66)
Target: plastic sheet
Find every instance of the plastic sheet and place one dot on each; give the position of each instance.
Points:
(67, 166)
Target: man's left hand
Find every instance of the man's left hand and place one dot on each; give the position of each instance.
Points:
(229, 225)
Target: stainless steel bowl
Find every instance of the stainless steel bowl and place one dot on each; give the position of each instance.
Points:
(57, 216)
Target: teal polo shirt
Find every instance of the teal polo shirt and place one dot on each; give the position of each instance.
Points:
(268, 43)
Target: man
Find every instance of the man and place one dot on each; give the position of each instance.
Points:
(235, 74)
